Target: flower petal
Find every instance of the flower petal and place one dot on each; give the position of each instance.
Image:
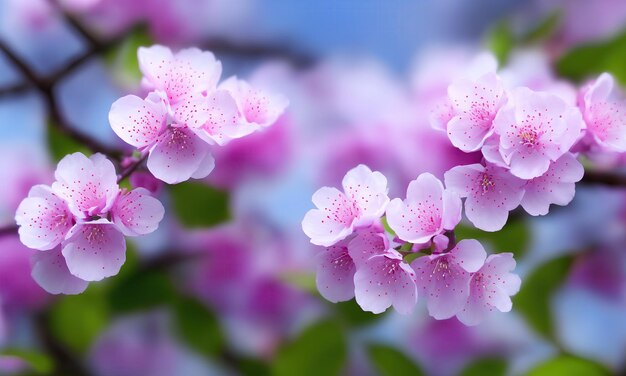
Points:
(51, 273)
(137, 121)
(335, 273)
(137, 212)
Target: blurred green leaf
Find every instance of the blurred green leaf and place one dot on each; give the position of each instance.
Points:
(514, 237)
(197, 326)
(123, 58)
(594, 58)
(60, 145)
(253, 367)
(569, 366)
(544, 29)
(389, 361)
(198, 205)
(140, 291)
(533, 300)
(76, 320)
(386, 226)
(500, 40)
(40, 363)
(319, 350)
(301, 280)
(353, 315)
(486, 366)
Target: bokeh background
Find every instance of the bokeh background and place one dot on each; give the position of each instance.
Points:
(226, 285)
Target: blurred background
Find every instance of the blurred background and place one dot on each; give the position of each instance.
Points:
(226, 286)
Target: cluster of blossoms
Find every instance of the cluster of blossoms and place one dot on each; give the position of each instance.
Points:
(186, 112)
(79, 223)
(362, 260)
(527, 135)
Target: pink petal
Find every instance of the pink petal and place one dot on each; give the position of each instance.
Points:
(556, 186)
(191, 112)
(136, 121)
(206, 167)
(89, 185)
(528, 163)
(155, 63)
(335, 273)
(368, 190)
(44, 219)
(383, 281)
(257, 107)
(224, 122)
(332, 220)
(51, 273)
(95, 250)
(469, 254)
(137, 212)
(177, 156)
(367, 243)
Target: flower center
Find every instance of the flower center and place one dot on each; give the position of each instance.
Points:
(487, 183)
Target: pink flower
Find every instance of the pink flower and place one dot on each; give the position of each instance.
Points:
(490, 192)
(604, 110)
(362, 202)
(536, 128)
(87, 214)
(443, 279)
(490, 288)
(475, 104)
(556, 186)
(335, 272)
(382, 278)
(428, 210)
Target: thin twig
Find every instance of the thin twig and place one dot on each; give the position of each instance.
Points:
(132, 168)
(261, 51)
(8, 230)
(14, 89)
(611, 179)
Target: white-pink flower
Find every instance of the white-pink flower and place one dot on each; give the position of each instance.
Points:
(604, 111)
(443, 279)
(535, 128)
(490, 288)
(475, 104)
(490, 192)
(382, 278)
(556, 186)
(335, 272)
(83, 218)
(338, 214)
(428, 210)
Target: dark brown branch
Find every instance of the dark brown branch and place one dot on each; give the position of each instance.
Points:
(8, 230)
(608, 178)
(14, 89)
(261, 51)
(132, 168)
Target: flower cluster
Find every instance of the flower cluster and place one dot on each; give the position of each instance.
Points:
(186, 112)
(79, 223)
(529, 140)
(360, 259)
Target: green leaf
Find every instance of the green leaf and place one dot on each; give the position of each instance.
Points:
(319, 350)
(569, 366)
(60, 144)
(386, 226)
(501, 41)
(514, 237)
(486, 366)
(533, 300)
(76, 320)
(389, 361)
(197, 326)
(544, 29)
(123, 58)
(253, 367)
(594, 58)
(141, 291)
(352, 314)
(40, 363)
(301, 280)
(198, 205)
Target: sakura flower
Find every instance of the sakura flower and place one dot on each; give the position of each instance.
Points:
(335, 272)
(428, 210)
(258, 108)
(338, 214)
(475, 104)
(604, 112)
(491, 288)
(536, 128)
(556, 186)
(490, 192)
(80, 223)
(444, 278)
(178, 75)
(382, 278)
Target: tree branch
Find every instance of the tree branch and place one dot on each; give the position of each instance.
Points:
(608, 178)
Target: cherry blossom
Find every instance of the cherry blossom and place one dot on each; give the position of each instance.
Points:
(603, 110)
(490, 288)
(490, 192)
(556, 186)
(535, 128)
(80, 222)
(428, 210)
(335, 272)
(338, 214)
(443, 279)
(382, 278)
